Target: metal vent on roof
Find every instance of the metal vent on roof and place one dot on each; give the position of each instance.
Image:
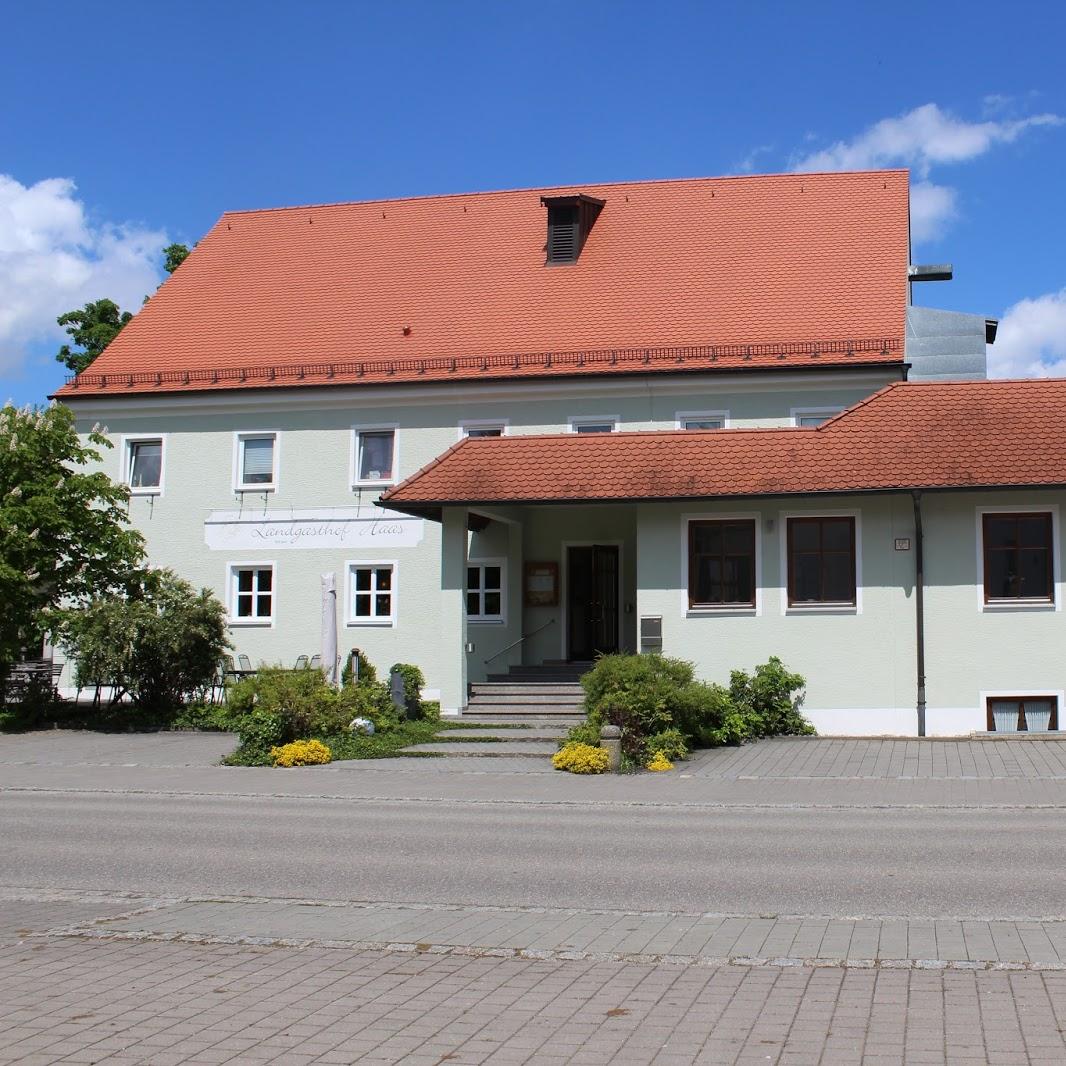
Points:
(570, 218)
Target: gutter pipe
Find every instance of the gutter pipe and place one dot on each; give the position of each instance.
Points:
(919, 606)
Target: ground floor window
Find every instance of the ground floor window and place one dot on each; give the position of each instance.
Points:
(1018, 556)
(1023, 714)
(721, 563)
(484, 592)
(373, 593)
(821, 561)
(252, 594)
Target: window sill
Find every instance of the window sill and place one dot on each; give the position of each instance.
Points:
(255, 488)
(357, 485)
(372, 623)
(146, 492)
(714, 612)
(1019, 605)
(485, 621)
(822, 608)
(251, 623)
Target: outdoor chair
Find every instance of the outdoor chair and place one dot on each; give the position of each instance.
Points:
(316, 662)
(245, 664)
(301, 662)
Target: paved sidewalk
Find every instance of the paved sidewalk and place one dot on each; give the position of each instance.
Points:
(160, 1004)
(887, 759)
(691, 939)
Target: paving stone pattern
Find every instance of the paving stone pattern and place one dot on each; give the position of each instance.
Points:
(885, 759)
(681, 938)
(160, 1004)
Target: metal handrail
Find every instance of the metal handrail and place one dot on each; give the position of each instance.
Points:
(524, 636)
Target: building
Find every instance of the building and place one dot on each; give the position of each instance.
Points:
(542, 424)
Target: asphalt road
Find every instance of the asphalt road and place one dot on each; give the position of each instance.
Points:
(850, 862)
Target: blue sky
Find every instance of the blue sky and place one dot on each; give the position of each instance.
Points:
(128, 125)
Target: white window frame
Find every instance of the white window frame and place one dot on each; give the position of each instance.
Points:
(797, 412)
(376, 621)
(502, 424)
(488, 620)
(596, 420)
(725, 610)
(231, 594)
(127, 461)
(239, 438)
(820, 608)
(379, 427)
(1058, 585)
(681, 417)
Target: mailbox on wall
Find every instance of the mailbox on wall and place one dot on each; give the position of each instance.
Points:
(541, 584)
(651, 632)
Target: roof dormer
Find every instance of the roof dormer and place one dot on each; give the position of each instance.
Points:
(570, 219)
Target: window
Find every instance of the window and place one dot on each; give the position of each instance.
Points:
(697, 420)
(256, 462)
(821, 561)
(484, 592)
(1023, 714)
(375, 455)
(144, 465)
(1018, 557)
(594, 424)
(482, 429)
(251, 594)
(721, 563)
(813, 416)
(372, 595)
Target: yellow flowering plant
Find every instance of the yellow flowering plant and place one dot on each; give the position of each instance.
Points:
(301, 753)
(581, 759)
(660, 762)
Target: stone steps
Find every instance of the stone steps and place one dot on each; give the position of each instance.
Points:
(540, 749)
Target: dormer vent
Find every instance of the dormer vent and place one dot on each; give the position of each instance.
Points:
(570, 219)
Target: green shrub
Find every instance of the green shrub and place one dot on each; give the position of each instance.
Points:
(770, 700)
(671, 742)
(413, 683)
(659, 705)
(585, 733)
(368, 675)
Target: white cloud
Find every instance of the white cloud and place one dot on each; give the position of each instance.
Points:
(1031, 342)
(925, 137)
(53, 259)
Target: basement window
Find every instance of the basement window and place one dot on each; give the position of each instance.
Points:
(1023, 714)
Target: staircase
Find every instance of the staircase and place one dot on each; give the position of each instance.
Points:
(521, 714)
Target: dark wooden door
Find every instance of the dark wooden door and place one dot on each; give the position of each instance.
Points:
(592, 601)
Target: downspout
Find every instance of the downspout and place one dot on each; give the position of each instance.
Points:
(919, 606)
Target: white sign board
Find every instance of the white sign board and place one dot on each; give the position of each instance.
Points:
(336, 528)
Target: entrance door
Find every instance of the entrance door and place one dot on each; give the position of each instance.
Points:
(592, 600)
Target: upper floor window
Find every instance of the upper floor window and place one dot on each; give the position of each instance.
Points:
(257, 465)
(375, 455)
(721, 563)
(813, 416)
(251, 594)
(594, 424)
(144, 465)
(483, 429)
(484, 592)
(1018, 556)
(700, 420)
(821, 561)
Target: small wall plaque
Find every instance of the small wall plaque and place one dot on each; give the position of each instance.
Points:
(903, 544)
(542, 584)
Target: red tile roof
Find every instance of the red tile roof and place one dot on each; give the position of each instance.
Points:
(923, 435)
(715, 273)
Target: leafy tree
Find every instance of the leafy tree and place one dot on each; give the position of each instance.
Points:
(93, 327)
(173, 256)
(160, 642)
(64, 533)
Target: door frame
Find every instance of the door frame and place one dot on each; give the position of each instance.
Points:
(564, 587)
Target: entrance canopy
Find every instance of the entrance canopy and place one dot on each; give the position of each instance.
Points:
(909, 435)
